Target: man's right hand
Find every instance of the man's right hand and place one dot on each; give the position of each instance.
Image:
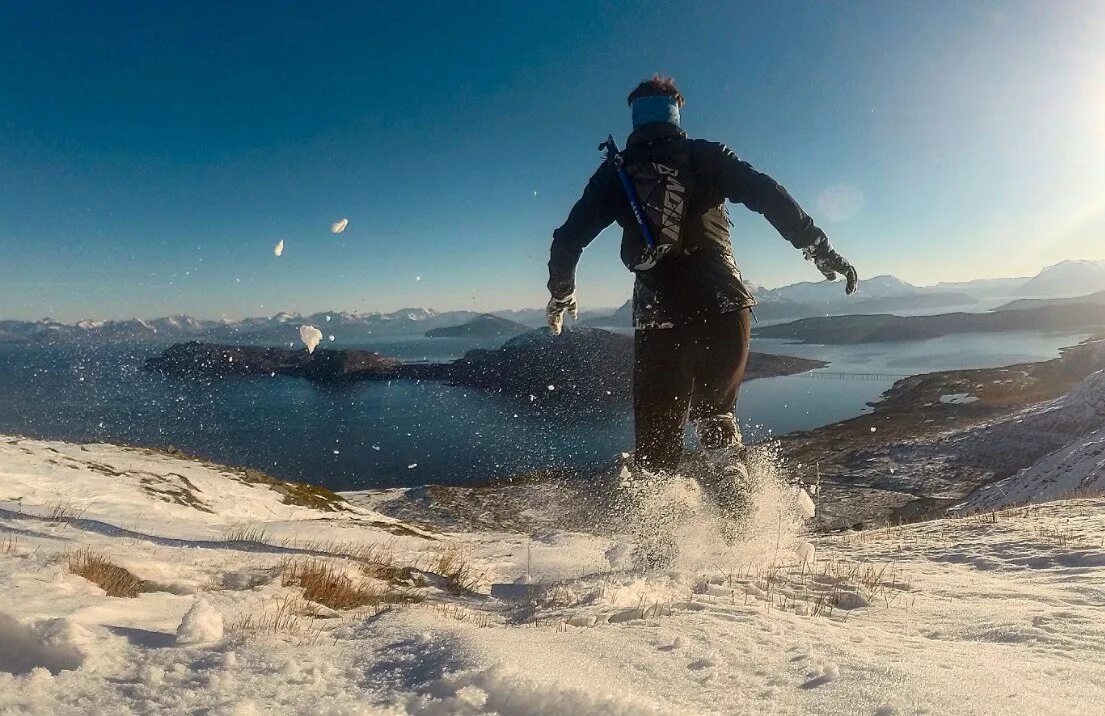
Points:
(554, 312)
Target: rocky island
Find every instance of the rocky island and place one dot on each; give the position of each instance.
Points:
(582, 369)
(486, 325)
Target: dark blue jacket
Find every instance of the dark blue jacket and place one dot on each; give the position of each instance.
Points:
(704, 279)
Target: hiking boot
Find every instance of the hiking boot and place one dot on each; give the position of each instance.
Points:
(720, 438)
(718, 432)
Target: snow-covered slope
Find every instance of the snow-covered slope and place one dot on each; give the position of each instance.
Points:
(995, 615)
(1077, 469)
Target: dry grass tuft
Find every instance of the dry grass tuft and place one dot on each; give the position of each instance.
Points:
(328, 584)
(246, 533)
(290, 615)
(65, 512)
(458, 574)
(116, 581)
(9, 545)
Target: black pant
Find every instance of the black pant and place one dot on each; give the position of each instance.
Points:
(693, 368)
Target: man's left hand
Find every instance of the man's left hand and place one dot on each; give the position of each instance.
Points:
(554, 312)
(830, 263)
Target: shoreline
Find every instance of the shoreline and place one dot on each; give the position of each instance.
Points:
(864, 476)
(864, 462)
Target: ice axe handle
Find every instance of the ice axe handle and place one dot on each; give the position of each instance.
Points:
(614, 155)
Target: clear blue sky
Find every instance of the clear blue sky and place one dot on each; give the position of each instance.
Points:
(152, 153)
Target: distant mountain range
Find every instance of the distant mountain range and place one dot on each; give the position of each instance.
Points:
(879, 294)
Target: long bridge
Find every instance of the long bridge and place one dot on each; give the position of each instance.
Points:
(829, 375)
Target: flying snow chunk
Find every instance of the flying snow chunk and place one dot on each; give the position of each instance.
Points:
(279, 248)
(805, 504)
(339, 226)
(310, 337)
(417, 278)
(412, 466)
(202, 624)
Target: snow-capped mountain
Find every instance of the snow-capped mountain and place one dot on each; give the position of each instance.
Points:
(983, 288)
(348, 327)
(1068, 278)
(823, 292)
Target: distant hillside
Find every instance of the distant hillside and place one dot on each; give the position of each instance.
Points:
(583, 368)
(1030, 303)
(621, 318)
(773, 304)
(1069, 278)
(880, 328)
(983, 288)
(483, 326)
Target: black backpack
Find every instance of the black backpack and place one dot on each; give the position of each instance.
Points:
(663, 179)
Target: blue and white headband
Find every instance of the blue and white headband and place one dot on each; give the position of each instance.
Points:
(653, 109)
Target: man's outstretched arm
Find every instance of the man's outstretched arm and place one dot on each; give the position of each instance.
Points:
(743, 184)
(591, 214)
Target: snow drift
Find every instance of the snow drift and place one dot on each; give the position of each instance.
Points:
(952, 616)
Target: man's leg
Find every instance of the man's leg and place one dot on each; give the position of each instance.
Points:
(663, 380)
(721, 355)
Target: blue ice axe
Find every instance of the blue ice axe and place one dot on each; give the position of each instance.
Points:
(653, 252)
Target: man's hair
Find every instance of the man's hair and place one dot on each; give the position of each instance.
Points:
(658, 85)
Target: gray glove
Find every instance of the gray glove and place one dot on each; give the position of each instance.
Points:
(554, 312)
(830, 263)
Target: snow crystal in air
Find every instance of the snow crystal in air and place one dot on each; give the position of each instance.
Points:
(310, 337)
(331, 338)
(412, 466)
(279, 248)
(339, 226)
(417, 278)
(201, 625)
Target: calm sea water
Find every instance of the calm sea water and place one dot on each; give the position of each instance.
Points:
(376, 434)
